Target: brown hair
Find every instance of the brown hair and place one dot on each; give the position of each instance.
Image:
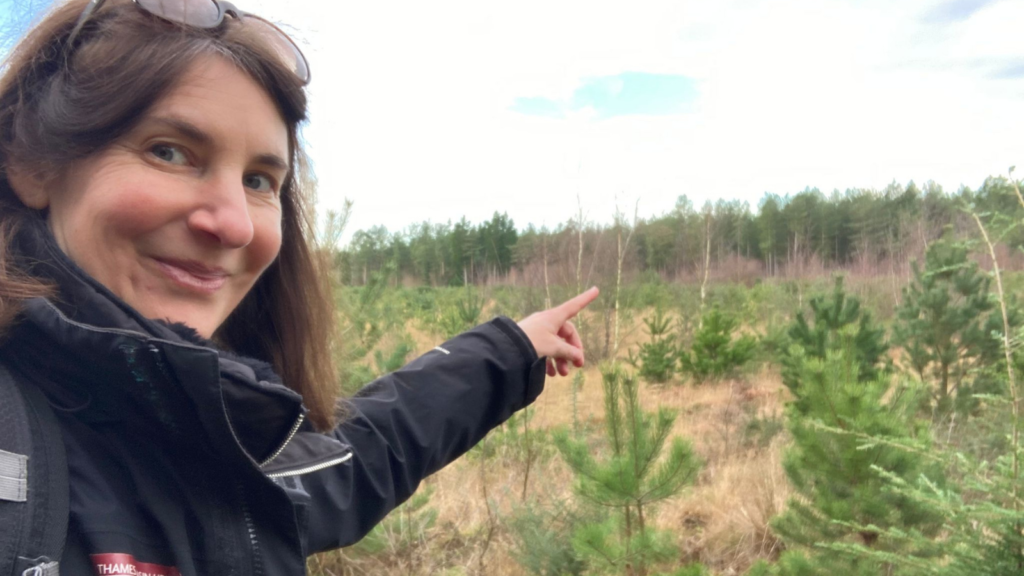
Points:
(61, 104)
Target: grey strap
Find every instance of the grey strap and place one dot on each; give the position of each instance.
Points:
(44, 569)
(13, 477)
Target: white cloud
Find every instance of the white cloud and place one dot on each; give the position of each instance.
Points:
(410, 102)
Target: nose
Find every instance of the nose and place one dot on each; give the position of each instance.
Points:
(222, 212)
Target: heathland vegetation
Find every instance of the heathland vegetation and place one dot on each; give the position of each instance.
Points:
(828, 385)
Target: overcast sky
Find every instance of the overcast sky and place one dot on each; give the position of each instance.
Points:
(435, 110)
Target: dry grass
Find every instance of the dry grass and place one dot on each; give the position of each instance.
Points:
(726, 516)
(722, 521)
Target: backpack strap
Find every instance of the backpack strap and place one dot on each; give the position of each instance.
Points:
(33, 481)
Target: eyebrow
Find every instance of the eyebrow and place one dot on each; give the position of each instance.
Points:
(198, 135)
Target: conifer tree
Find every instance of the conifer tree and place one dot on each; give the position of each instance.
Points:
(656, 361)
(460, 315)
(943, 324)
(391, 360)
(399, 539)
(634, 476)
(816, 337)
(981, 535)
(840, 496)
(714, 354)
(790, 563)
(984, 513)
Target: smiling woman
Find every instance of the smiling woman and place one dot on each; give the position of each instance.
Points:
(159, 288)
(125, 61)
(182, 215)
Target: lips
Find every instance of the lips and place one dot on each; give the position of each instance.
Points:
(193, 275)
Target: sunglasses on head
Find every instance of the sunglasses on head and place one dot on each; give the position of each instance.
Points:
(210, 14)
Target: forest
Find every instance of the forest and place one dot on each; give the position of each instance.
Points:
(809, 230)
(830, 385)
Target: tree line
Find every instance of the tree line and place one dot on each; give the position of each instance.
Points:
(785, 235)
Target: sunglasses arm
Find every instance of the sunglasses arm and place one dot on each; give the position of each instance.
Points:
(87, 13)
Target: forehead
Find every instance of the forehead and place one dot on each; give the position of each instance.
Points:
(227, 105)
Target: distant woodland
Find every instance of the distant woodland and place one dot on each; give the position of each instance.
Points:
(866, 231)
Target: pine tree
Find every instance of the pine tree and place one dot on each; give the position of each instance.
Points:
(841, 425)
(400, 538)
(542, 538)
(392, 360)
(983, 511)
(714, 354)
(368, 313)
(982, 534)
(629, 481)
(791, 563)
(460, 315)
(656, 361)
(815, 338)
(943, 324)
(982, 517)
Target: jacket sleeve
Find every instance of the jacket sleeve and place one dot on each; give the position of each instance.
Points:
(411, 423)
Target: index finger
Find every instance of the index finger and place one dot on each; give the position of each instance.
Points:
(572, 307)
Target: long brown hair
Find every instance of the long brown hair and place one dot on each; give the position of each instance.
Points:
(60, 104)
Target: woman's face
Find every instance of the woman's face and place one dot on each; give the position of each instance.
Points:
(181, 216)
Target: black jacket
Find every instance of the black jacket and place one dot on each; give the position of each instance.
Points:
(187, 460)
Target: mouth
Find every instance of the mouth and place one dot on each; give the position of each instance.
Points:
(192, 275)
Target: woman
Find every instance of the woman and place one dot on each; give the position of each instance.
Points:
(157, 283)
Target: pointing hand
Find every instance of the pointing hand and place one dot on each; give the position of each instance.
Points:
(554, 336)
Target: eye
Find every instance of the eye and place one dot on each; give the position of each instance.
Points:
(169, 154)
(259, 183)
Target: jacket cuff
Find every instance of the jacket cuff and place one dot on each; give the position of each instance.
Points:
(537, 366)
(518, 337)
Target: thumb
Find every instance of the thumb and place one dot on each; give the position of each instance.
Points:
(565, 351)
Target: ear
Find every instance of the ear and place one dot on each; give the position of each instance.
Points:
(30, 186)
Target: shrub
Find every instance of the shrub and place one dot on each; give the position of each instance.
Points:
(772, 345)
(714, 354)
(516, 440)
(791, 563)
(656, 361)
(367, 314)
(463, 313)
(542, 538)
(759, 431)
(397, 544)
(393, 359)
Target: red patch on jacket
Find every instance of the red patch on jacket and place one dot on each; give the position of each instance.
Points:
(127, 565)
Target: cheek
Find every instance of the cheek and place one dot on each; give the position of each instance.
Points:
(128, 204)
(100, 223)
(133, 219)
(267, 238)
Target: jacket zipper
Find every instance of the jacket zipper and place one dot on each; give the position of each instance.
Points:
(314, 468)
(250, 524)
(251, 534)
(288, 438)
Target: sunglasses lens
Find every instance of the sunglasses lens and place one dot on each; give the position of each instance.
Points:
(287, 52)
(198, 13)
(207, 14)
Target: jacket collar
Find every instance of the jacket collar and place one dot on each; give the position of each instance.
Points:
(98, 355)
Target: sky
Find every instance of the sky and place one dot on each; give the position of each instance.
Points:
(434, 111)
